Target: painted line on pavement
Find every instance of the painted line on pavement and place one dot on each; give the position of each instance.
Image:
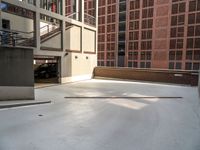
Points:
(127, 97)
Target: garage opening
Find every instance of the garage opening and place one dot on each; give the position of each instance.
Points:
(46, 69)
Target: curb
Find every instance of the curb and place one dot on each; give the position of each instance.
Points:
(23, 104)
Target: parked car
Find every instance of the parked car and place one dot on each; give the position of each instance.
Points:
(47, 70)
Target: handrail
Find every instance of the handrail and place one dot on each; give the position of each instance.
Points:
(71, 14)
(44, 26)
(13, 37)
(21, 38)
(74, 16)
(48, 30)
(90, 15)
(17, 31)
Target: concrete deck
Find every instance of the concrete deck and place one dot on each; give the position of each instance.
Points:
(130, 116)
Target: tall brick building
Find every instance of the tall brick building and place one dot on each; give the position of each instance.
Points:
(149, 34)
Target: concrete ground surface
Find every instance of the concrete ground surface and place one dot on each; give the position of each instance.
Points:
(145, 119)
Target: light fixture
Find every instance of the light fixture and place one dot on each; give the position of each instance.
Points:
(66, 54)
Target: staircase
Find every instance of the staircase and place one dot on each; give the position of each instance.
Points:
(46, 32)
(49, 33)
(18, 38)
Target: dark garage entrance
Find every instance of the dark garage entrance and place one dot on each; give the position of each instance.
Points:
(46, 69)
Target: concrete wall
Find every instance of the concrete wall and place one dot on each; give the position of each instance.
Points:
(77, 66)
(89, 40)
(199, 84)
(54, 42)
(78, 38)
(73, 38)
(18, 23)
(82, 64)
(81, 59)
(16, 77)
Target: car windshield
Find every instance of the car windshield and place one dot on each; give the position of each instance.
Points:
(41, 67)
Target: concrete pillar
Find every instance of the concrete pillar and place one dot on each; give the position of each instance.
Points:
(63, 27)
(199, 84)
(96, 12)
(37, 25)
(0, 18)
(96, 17)
(63, 7)
(82, 11)
(77, 9)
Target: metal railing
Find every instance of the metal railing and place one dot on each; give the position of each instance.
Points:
(75, 16)
(72, 16)
(47, 29)
(20, 38)
(16, 38)
(33, 2)
(90, 20)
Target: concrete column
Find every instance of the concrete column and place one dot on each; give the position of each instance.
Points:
(96, 17)
(82, 11)
(37, 25)
(0, 18)
(63, 27)
(77, 9)
(96, 13)
(199, 84)
(63, 7)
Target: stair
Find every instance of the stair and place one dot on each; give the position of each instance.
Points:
(43, 38)
(50, 35)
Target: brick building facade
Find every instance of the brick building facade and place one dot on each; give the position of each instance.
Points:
(149, 34)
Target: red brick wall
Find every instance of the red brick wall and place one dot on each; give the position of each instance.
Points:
(166, 76)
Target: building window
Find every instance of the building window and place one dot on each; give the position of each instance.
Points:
(194, 5)
(190, 31)
(172, 55)
(196, 66)
(189, 55)
(148, 64)
(53, 6)
(197, 30)
(188, 66)
(178, 65)
(197, 43)
(191, 19)
(142, 65)
(171, 65)
(197, 55)
(190, 43)
(178, 55)
(148, 3)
